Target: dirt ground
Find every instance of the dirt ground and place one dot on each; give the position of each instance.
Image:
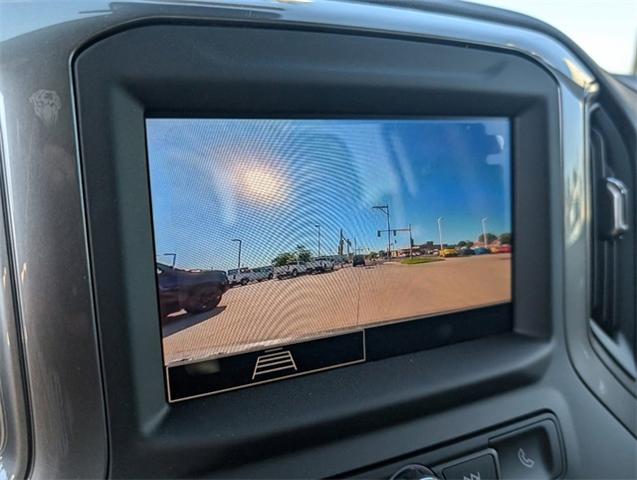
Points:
(282, 311)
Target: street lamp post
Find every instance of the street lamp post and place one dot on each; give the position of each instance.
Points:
(239, 260)
(440, 219)
(484, 230)
(385, 210)
(319, 240)
(174, 257)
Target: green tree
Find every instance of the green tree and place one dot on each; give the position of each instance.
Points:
(283, 259)
(506, 238)
(303, 254)
(462, 243)
(490, 238)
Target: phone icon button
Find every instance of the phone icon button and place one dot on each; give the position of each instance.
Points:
(524, 459)
(531, 452)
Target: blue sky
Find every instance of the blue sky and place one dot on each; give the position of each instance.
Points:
(270, 182)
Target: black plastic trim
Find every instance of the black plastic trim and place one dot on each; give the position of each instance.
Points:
(438, 457)
(204, 71)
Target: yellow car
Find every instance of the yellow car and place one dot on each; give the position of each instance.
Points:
(448, 252)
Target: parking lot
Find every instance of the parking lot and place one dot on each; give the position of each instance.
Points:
(282, 311)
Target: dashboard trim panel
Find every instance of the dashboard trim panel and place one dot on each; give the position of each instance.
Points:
(29, 144)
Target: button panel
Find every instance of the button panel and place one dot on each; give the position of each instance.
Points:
(527, 449)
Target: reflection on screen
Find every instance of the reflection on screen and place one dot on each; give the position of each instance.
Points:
(270, 232)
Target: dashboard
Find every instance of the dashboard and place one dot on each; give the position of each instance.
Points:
(314, 240)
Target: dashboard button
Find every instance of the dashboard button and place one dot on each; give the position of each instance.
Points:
(530, 453)
(482, 467)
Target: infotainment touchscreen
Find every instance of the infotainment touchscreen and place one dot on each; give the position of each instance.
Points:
(290, 246)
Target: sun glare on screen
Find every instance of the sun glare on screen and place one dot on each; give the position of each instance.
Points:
(263, 185)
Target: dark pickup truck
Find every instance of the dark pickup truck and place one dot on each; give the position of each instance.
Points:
(195, 291)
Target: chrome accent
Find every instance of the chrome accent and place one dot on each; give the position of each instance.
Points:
(619, 201)
(366, 18)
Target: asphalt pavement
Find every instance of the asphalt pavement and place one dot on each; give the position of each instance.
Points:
(271, 312)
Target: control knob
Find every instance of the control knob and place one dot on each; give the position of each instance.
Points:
(414, 471)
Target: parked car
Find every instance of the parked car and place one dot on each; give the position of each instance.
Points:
(339, 260)
(506, 248)
(240, 276)
(448, 252)
(358, 260)
(494, 248)
(263, 273)
(321, 264)
(466, 251)
(291, 269)
(195, 291)
(481, 251)
(244, 275)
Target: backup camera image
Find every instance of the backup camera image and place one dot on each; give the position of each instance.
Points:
(275, 232)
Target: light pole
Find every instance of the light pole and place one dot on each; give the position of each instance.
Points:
(385, 210)
(319, 239)
(484, 230)
(440, 219)
(239, 260)
(174, 256)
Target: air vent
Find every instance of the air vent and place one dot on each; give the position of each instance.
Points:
(612, 296)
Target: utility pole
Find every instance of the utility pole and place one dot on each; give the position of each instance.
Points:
(319, 240)
(239, 260)
(440, 219)
(484, 231)
(385, 210)
(411, 243)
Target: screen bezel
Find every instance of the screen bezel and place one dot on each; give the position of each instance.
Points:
(206, 72)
